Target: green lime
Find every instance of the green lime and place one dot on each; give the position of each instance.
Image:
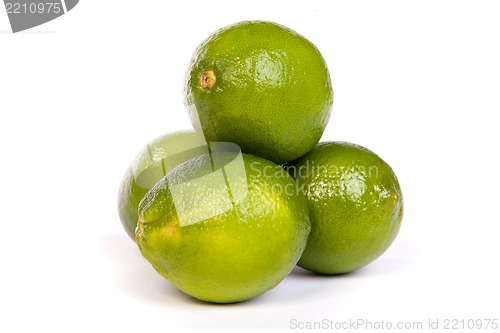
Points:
(355, 205)
(262, 86)
(224, 227)
(150, 165)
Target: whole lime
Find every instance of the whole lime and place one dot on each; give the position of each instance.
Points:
(355, 205)
(262, 86)
(150, 165)
(224, 227)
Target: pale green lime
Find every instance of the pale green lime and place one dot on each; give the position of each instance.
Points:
(224, 227)
(151, 164)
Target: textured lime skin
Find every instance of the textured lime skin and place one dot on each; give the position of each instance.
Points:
(355, 205)
(149, 166)
(272, 93)
(236, 255)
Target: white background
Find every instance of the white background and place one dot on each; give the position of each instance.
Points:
(417, 82)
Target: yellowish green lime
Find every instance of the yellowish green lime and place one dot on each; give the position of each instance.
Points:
(262, 86)
(355, 204)
(151, 164)
(224, 227)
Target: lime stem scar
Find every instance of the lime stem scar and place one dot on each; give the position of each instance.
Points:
(207, 79)
(139, 231)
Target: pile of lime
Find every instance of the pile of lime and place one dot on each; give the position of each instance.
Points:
(226, 211)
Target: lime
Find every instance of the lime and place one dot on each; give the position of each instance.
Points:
(150, 165)
(355, 205)
(223, 227)
(262, 86)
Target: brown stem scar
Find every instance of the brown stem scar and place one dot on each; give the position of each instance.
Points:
(139, 231)
(207, 79)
